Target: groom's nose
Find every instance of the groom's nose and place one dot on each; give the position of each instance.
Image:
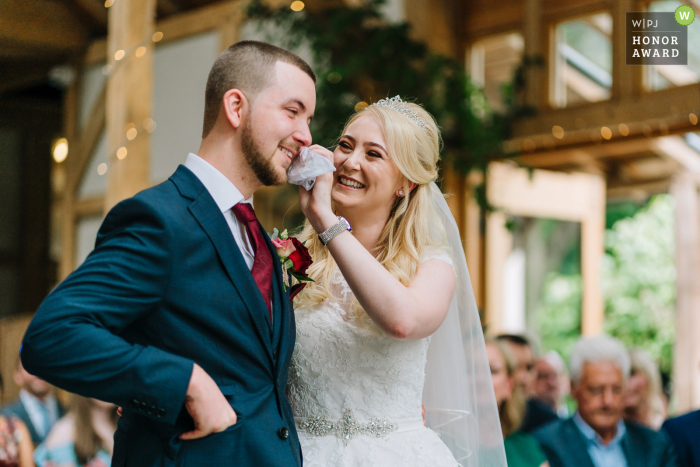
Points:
(303, 135)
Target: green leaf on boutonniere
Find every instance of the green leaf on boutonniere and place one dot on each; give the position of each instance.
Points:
(275, 233)
(284, 235)
(301, 278)
(288, 264)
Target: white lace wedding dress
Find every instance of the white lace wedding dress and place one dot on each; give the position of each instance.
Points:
(356, 392)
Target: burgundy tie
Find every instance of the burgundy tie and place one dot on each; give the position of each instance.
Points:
(262, 265)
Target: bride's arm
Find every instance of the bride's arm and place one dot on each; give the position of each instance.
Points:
(408, 313)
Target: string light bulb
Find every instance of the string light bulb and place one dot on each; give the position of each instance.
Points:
(131, 133)
(102, 169)
(119, 54)
(121, 153)
(624, 129)
(157, 36)
(60, 150)
(693, 118)
(109, 3)
(140, 52)
(557, 132)
(297, 5)
(606, 132)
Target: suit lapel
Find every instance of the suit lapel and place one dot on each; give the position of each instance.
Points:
(575, 445)
(634, 456)
(282, 307)
(207, 213)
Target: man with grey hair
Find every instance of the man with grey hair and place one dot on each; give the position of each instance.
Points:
(597, 436)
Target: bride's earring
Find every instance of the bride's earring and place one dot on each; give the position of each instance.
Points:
(400, 192)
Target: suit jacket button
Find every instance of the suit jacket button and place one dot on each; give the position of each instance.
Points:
(283, 433)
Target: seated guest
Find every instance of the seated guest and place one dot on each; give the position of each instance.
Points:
(522, 450)
(83, 438)
(537, 414)
(15, 442)
(644, 396)
(551, 382)
(36, 406)
(684, 432)
(597, 436)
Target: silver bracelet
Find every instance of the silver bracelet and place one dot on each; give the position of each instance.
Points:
(335, 230)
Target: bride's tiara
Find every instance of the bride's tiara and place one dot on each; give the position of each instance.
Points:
(395, 103)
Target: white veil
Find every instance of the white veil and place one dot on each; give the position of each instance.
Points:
(458, 394)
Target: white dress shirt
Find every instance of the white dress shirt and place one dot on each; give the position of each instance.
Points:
(43, 414)
(226, 196)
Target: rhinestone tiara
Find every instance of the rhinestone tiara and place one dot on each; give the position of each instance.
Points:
(395, 103)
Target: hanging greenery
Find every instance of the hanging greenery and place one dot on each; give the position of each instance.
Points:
(359, 57)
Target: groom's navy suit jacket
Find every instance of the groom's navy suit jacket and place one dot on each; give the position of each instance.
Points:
(165, 287)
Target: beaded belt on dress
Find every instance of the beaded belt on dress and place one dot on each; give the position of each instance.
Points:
(348, 428)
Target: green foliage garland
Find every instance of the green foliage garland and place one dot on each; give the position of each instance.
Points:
(358, 56)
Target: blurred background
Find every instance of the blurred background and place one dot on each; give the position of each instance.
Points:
(573, 177)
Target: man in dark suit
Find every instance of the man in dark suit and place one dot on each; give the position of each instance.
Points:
(36, 405)
(179, 315)
(597, 436)
(684, 432)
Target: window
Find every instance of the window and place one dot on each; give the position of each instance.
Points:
(492, 63)
(658, 77)
(582, 62)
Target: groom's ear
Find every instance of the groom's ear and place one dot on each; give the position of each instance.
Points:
(233, 106)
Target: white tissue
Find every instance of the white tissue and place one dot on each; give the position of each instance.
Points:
(306, 167)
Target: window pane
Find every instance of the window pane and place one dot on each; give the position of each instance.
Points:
(492, 62)
(582, 61)
(667, 76)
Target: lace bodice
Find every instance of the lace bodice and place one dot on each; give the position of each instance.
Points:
(343, 362)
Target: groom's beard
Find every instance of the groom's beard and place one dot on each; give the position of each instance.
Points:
(262, 167)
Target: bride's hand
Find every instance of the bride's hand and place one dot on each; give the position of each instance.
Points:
(316, 203)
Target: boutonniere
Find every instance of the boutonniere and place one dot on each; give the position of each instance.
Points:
(295, 259)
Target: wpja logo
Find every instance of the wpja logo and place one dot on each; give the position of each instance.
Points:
(656, 38)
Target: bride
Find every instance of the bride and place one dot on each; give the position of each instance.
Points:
(379, 331)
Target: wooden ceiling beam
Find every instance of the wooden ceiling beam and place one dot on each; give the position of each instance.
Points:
(36, 27)
(92, 10)
(668, 104)
(168, 7)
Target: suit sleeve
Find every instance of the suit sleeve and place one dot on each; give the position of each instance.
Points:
(74, 339)
(669, 457)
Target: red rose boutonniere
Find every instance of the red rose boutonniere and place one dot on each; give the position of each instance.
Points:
(295, 259)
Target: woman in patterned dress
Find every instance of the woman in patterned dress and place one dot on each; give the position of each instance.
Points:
(15, 441)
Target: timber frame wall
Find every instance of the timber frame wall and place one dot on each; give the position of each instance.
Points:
(653, 118)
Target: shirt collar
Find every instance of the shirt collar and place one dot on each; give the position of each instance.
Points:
(592, 437)
(225, 193)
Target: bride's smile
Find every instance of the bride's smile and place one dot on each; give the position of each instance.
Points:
(366, 177)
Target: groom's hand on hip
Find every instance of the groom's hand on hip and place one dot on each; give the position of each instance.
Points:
(207, 405)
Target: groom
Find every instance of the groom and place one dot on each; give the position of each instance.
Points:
(179, 315)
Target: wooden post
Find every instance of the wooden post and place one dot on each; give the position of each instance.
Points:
(626, 80)
(499, 243)
(532, 36)
(592, 231)
(65, 223)
(686, 365)
(473, 237)
(129, 97)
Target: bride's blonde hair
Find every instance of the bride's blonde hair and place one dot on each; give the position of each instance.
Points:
(413, 222)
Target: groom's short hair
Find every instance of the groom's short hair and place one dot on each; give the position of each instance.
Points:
(248, 66)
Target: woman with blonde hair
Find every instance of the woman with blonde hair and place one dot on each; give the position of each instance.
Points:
(379, 330)
(83, 438)
(644, 398)
(522, 449)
